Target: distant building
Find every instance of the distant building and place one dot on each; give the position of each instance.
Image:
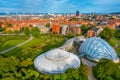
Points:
(64, 29)
(55, 28)
(74, 30)
(43, 29)
(94, 32)
(77, 13)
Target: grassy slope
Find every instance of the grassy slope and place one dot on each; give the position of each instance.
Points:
(37, 46)
(10, 41)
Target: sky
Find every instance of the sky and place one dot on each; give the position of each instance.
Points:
(59, 6)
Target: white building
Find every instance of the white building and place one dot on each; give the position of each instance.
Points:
(56, 61)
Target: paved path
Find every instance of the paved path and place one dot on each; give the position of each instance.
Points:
(10, 34)
(16, 45)
(90, 65)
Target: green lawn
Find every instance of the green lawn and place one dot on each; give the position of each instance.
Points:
(37, 46)
(10, 41)
(18, 64)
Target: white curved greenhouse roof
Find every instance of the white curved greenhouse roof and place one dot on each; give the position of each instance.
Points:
(56, 61)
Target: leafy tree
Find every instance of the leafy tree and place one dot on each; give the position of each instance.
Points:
(112, 42)
(9, 25)
(74, 19)
(117, 34)
(63, 76)
(107, 33)
(86, 69)
(8, 65)
(47, 25)
(27, 62)
(31, 25)
(16, 32)
(22, 29)
(57, 77)
(26, 31)
(35, 32)
(31, 74)
(75, 74)
(70, 35)
(2, 29)
(104, 71)
(84, 29)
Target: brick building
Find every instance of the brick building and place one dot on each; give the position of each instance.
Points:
(94, 32)
(55, 28)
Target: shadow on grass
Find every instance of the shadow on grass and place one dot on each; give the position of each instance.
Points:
(2, 48)
(15, 52)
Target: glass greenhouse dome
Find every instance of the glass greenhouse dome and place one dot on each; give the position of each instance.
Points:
(96, 48)
(56, 61)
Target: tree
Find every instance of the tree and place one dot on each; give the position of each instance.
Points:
(57, 77)
(75, 74)
(85, 69)
(2, 29)
(27, 62)
(47, 25)
(117, 34)
(104, 71)
(9, 25)
(26, 31)
(35, 32)
(8, 66)
(74, 19)
(84, 29)
(112, 42)
(63, 76)
(107, 33)
(16, 32)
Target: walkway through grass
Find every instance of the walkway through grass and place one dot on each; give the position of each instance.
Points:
(37, 46)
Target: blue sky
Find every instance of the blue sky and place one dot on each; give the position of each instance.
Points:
(60, 6)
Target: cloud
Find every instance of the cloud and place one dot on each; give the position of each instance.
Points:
(59, 5)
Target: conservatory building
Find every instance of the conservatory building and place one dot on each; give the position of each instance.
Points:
(96, 48)
(56, 61)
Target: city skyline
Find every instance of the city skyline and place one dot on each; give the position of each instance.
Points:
(59, 6)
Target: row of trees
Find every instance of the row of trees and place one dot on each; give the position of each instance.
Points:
(34, 31)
